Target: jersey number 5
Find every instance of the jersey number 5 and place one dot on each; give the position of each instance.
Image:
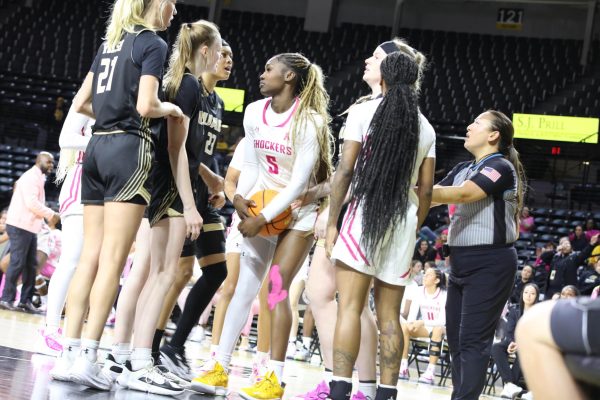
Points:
(273, 167)
(106, 76)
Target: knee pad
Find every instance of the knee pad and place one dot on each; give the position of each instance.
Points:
(215, 274)
(435, 348)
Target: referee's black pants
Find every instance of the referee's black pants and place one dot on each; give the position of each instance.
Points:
(481, 281)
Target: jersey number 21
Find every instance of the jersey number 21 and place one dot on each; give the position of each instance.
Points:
(106, 76)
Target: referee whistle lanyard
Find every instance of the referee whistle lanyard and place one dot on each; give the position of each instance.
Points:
(476, 165)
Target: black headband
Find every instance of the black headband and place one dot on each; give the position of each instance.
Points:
(389, 47)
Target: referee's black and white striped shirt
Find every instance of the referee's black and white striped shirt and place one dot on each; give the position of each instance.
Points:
(489, 221)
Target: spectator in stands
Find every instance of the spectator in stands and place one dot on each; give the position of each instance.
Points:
(590, 229)
(526, 223)
(427, 265)
(502, 350)
(416, 271)
(543, 342)
(59, 112)
(526, 276)
(578, 239)
(548, 248)
(427, 233)
(563, 268)
(439, 244)
(589, 279)
(24, 220)
(56, 116)
(424, 252)
(569, 292)
(430, 300)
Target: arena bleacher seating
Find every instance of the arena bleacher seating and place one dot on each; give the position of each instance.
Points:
(48, 48)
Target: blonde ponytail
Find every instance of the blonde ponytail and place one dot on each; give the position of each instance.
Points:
(191, 37)
(314, 102)
(124, 17)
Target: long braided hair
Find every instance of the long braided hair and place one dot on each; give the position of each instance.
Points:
(314, 104)
(381, 183)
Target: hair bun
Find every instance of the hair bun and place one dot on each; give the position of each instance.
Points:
(399, 68)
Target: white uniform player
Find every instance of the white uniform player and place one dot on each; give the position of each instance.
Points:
(74, 137)
(271, 157)
(432, 308)
(272, 160)
(70, 193)
(233, 243)
(409, 294)
(391, 263)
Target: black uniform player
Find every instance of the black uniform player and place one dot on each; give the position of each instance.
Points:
(209, 248)
(210, 119)
(115, 175)
(172, 212)
(123, 86)
(166, 201)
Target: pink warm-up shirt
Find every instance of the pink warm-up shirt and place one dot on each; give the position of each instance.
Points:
(27, 205)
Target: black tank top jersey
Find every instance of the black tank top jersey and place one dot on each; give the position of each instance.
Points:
(209, 120)
(115, 87)
(187, 99)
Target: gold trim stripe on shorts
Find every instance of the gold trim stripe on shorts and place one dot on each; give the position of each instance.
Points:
(165, 204)
(217, 226)
(135, 184)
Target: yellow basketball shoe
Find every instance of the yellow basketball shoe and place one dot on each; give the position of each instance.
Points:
(213, 379)
(267, 388)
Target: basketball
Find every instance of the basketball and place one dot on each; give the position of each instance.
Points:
(280, 222)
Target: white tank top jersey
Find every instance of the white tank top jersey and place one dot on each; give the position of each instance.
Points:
(432, 307)
(357, 129)
(410, 291)
(75, 135)
(270, 160)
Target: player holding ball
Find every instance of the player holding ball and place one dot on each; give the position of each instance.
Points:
(287, 150)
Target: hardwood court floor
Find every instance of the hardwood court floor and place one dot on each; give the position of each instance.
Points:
(24, 373)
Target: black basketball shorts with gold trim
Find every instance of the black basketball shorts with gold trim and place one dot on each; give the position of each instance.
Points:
(212, 238)
(116, 168)
(164, 200)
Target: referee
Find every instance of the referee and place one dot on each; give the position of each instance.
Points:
(488, 193)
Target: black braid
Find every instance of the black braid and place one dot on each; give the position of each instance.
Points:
(381, 183)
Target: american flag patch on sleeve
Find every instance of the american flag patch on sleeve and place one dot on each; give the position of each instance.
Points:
(491, 173)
